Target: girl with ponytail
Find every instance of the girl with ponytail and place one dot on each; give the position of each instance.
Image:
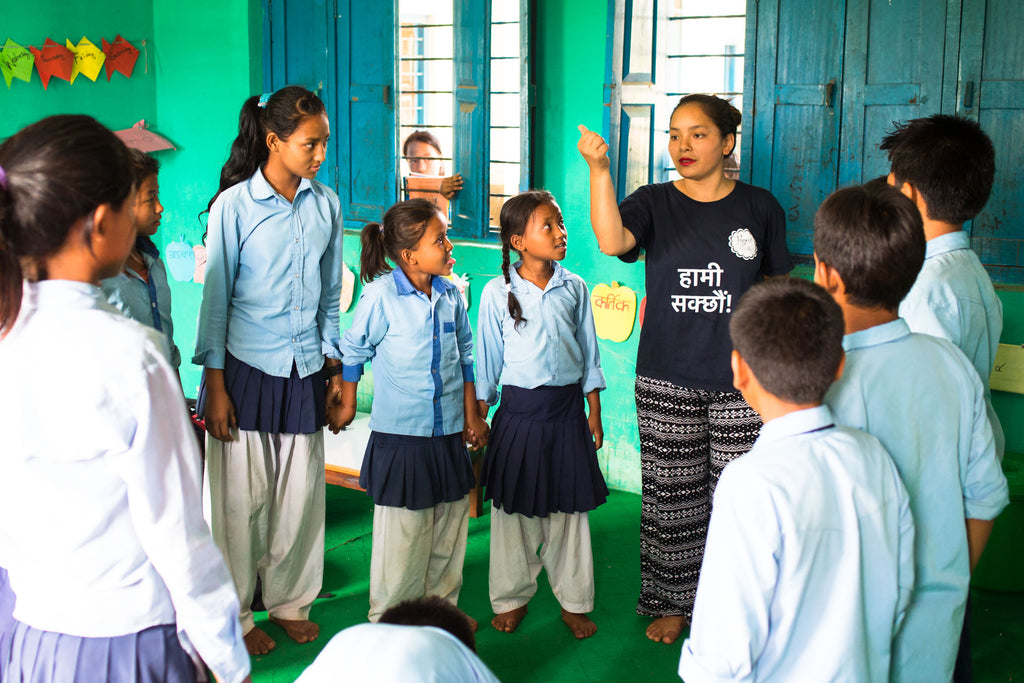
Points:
(268, 340)
(412, 323)
(537, 340)
(101, 532)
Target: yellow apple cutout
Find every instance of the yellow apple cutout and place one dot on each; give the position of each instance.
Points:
(614, 311)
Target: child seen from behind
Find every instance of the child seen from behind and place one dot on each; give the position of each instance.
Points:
(412, 323)
(809, 564)
(537, 340)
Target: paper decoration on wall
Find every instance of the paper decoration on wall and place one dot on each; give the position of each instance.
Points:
(16, 62)
(121, 56)
(643, 309)
(199, 274)
(181, 260)
(143, 139)
(348, 288)
(461, 283)
(1008, 369)
(53, 60)
(88, 59)
(614, 311)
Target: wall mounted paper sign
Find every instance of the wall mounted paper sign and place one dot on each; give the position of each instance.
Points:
(181, 260)
(53, 60)
(199, 274)
(143, 139)
(1008, 370)
(121, 56)
(88, 59)
(614, 311)
(348, 288)
(16, 62)
(643, 310)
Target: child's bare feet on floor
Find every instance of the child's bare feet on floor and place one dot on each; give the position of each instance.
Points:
(509, 621)
(473, 622)
(580, 624)
(299, 630)
(257, 642)
(666, 629)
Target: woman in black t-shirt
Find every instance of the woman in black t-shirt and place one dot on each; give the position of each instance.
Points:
(707, 239)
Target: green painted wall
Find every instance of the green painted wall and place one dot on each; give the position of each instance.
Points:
(117, 104)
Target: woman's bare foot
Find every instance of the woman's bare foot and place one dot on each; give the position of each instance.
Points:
(257, 642)
(299, 630)
(509, 621)
(580, 624)
(666, 629)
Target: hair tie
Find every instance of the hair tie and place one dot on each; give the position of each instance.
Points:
(263, 100)
(3, 179)
(382, 228)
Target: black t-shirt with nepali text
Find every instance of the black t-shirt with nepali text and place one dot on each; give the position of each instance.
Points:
(700, 259)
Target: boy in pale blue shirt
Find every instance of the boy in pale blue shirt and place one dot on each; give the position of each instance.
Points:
(809, 564)
(922, 398)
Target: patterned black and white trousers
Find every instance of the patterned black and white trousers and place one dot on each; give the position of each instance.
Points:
(687, 437)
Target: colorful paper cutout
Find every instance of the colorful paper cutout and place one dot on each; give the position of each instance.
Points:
(53, 60)
(88, 59)
(143, 139)
(614, 311)
(181, 260)
(16, 62)
(643, 310)
(348, 288)
(461, 283)
(199, 274)
(120, 56)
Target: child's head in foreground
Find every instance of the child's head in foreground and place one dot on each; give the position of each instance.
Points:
(949, 160)
(432, 611)
(789, 332)
(871, 238)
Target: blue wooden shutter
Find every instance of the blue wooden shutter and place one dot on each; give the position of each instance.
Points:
(632, 124)
(366, 64)
(795, 131)
(471, 156)
(991, 91)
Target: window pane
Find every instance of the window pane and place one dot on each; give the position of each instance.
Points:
(505, 144)
(504, 10)
(505, 75)
(703, 8)
(425, 11)
(704, 75)
(705, 36)
(505, 40)
(505, 110)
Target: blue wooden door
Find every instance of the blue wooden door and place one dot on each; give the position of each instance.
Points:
(345, 54)
(797, 103)
(472, 50)
(991, 90)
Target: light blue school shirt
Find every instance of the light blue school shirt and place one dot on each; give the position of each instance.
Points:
(953, 298)
(273, 278)
(146, 302)
(922, 398)
(555, 346)
(809, 563)
(421, 350)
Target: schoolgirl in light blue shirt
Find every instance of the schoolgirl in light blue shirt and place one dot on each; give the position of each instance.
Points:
(559, 348)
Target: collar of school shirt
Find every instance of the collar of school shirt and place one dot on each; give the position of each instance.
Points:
(797, 422)
(64, 293)
(261, 189)
(879, 334)
(437, 283)
(951, 241)
(519, 284)
(147, 247)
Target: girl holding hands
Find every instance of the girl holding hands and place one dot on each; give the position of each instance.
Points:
(412, 323)
(537, 339)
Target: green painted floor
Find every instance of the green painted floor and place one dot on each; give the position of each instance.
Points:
(543, 650)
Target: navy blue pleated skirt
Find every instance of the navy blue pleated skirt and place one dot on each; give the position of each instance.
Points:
(416, 472)
(150, 656)
(276, 405)
(540, 456)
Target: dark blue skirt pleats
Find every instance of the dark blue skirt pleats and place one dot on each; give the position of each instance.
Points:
(540, 456)
(153, 655)
(416, 472)
(276, 405)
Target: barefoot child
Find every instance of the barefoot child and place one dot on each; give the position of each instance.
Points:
(537, 339)
(412, 323)
(268, 340)
(101, 529)
(809, 563)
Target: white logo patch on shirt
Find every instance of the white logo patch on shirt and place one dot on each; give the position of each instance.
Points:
(743, 244)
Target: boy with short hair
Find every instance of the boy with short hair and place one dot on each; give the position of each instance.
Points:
(923, 399)
(809, 564)
(946, 165)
